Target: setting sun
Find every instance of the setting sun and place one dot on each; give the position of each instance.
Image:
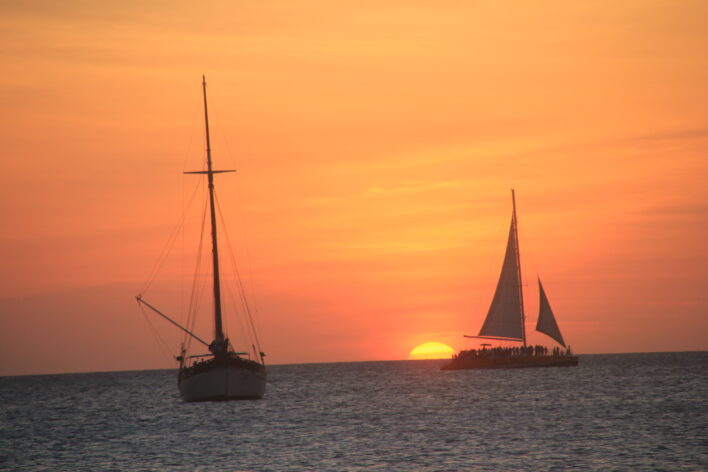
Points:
(431, 351)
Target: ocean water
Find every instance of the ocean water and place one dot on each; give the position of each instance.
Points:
(631, 412)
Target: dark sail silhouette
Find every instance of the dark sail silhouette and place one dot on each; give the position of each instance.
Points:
(504, 317)
(546, 323)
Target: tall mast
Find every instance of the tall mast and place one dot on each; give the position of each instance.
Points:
(518, 266)
(218, 330)
(219, 344)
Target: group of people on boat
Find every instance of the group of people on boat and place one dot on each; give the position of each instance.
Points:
(520, 351)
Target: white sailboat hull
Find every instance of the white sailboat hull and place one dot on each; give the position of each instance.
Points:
(223, 383)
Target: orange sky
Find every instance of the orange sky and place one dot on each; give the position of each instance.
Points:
(376, 144)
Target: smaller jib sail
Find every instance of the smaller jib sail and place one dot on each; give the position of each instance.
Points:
(546, 321)
(504, 319)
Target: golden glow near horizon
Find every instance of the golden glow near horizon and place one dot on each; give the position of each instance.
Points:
(376, 143)
(432, 350)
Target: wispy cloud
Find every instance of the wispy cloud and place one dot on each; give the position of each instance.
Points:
(409, 188)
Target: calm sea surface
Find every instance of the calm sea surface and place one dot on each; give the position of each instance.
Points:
(614, 412)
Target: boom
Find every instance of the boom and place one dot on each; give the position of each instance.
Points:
(140, 300)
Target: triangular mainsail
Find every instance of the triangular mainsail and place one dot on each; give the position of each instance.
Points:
(546, 321)
(504, 319)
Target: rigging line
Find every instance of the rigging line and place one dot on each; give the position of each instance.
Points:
(230, 154)
(164, 348)
(216, 120)
(530, 261)
(188, 151)
(196, 125)
(247, 239)
(170, 242)
(529, 255)
(233, 306)
(245, 302)
(245, 233)
(244, 299)
(189, 313)
(237, 277)
(197, 302)
(196, 299)
(168, 245)
(243, 328)
(195, 294)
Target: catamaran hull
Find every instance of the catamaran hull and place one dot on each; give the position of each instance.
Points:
(511, 362)
(223, 383)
